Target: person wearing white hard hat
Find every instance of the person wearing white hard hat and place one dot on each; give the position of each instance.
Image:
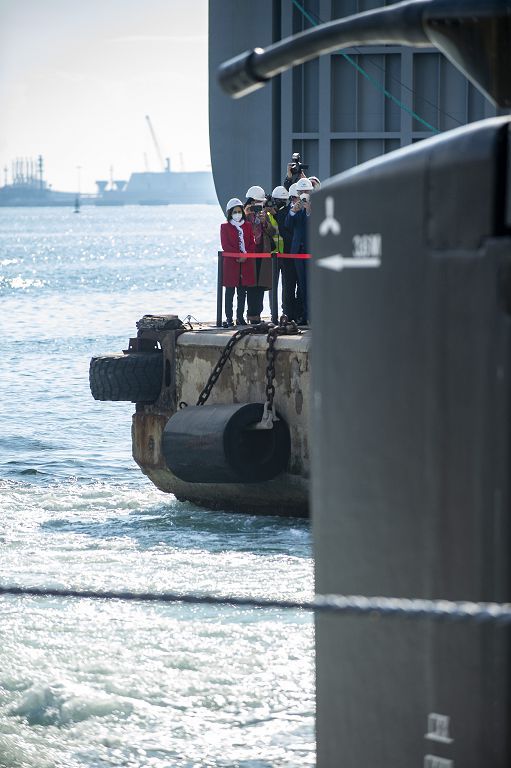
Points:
(236, 236)
(293, 194)
(297, 221)
(257, 214)
(280, 203)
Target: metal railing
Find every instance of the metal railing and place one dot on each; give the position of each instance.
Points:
(274, 304)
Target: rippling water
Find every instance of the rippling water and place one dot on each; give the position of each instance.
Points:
(96, 684)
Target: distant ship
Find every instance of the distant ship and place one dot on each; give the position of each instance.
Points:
(158, 188)
(29, 188)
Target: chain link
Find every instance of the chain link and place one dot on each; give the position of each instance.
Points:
(226, 353)
(284, 327)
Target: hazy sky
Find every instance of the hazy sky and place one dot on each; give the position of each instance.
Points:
(78, 78)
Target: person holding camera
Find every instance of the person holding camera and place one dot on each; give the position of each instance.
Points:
(237, 236)
(297, 221)
(257, 214)
(295, 170)
(279, 211)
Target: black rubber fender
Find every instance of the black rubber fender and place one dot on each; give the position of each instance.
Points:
(135, 377)
(215, 444)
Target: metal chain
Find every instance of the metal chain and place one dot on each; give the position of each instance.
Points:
(270, 367)
(285, 327)
(226, 353)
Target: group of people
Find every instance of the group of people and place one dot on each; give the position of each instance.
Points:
(276, 223)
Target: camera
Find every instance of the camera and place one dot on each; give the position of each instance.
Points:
(257, 208)
(297, 166)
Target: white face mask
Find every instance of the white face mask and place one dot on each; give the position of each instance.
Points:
(236, 217)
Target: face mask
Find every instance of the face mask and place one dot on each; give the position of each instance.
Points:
(236, 217)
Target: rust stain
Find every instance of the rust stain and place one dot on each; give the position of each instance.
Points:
(146, 434)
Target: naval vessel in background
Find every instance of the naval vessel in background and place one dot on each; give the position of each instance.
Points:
(158, 188)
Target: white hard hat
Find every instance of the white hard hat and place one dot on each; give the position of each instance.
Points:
(304, 185)
(256, 193)
(280, 193)
(232, 203)
(315, 182)
(293, 192)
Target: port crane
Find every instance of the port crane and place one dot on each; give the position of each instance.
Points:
(165, 166)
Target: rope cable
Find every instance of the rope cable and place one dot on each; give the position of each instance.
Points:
(319, 20)
(496, 613)
(371, 79)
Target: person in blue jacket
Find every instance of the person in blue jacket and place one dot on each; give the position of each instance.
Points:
(297, 222)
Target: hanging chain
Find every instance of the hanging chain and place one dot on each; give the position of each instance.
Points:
(226, 353)
(284, 327)
(270, 366)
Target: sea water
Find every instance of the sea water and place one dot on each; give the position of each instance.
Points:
(105, 683)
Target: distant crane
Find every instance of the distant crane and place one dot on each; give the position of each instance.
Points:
(164, 166)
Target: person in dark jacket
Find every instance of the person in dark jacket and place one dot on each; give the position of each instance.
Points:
(280, 200)
(297, 221)
(237, 236)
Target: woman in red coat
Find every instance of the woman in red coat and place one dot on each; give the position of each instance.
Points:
(237, 236)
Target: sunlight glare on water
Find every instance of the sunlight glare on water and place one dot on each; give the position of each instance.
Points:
(93, 684)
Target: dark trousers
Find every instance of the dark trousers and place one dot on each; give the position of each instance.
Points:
(241, 292)
(255, 296)
(289, 283)
(302, 276)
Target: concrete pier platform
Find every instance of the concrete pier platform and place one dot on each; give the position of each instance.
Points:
(189, 358)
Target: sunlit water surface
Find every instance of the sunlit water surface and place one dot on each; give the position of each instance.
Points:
(96, 684)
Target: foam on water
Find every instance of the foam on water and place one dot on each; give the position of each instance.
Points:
(91, 684)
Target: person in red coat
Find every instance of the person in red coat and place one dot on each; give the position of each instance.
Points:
(237, 236)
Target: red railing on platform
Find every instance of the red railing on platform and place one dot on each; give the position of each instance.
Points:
(264, 255)
(274, 278)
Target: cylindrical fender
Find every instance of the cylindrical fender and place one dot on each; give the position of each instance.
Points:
(218, 444)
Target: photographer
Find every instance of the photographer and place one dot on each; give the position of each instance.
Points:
(297, 221)
(257, 214)
(280, 209)
(295, 170)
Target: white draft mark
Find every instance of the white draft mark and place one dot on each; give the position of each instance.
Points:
(329, 223)
(337, 262)
(438, 728)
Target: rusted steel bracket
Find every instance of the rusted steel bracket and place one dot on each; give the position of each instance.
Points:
(143, 343)
(155, 333)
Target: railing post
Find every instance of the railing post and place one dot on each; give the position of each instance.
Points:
(219, 289)
(274, 288)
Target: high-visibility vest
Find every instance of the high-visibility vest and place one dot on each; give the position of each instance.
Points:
(279, 242)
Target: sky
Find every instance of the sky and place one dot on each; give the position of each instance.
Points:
(78, 78)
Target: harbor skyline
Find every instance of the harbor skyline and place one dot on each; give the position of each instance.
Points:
(76, 84)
